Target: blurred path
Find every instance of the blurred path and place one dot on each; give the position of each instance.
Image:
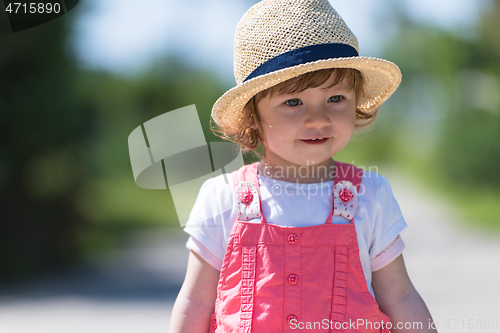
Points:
(131, 290)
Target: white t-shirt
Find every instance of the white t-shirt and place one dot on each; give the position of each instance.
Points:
(378, 219)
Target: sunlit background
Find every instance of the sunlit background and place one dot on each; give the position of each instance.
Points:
(83, 249)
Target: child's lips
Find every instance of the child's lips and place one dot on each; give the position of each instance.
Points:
(315, 141)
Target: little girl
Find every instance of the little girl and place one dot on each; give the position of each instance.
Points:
(298, 241)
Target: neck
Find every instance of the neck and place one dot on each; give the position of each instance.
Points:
(318, 173)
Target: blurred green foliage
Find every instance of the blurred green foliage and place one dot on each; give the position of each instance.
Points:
(42, 132)
(443, 123)
(111, 200)
(66, 184)
(470, 153)
(446, 124)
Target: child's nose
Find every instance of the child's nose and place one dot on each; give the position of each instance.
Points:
(317, 117)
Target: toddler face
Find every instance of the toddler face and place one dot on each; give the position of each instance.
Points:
(308, 127)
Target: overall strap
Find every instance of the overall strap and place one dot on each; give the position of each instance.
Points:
(247, 193)
(247, 200)
(347, 185)
(348, 172)
(345, 199)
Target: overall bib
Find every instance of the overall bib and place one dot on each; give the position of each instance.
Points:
(294, 279)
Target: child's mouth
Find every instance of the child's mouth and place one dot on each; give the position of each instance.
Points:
(317, 141)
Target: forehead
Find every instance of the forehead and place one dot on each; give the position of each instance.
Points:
(330, 83)
(325, 78)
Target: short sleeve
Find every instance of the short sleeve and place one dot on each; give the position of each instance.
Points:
(388, 219)
(388, 254)
(211, 220)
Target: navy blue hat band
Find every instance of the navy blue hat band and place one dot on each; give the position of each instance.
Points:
(304, 55)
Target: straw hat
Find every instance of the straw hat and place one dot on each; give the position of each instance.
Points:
(277, 40)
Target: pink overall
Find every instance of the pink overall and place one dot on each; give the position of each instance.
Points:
(294, 279)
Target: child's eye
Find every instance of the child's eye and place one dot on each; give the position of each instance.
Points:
(335, 99)
(293, 102)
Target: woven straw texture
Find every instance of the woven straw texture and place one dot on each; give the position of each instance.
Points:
(273, 27)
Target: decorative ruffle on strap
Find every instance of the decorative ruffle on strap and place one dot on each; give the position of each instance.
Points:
(247, 201)
(345, 199)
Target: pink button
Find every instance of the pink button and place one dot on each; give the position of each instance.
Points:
(293, 279)
(346, 195)
(246, 197)
(293, 238)
(291, 319)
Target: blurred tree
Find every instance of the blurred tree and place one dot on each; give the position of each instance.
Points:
(41, 126)
(112, 200)
(471, 141)
(66, 185)
(488, 39)
(450, 94)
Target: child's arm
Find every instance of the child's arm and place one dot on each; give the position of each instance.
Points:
(196, 300)
(398, 298)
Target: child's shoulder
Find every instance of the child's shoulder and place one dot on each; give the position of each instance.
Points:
(221, 184)
(373, 184)
(214, 199)
(376, 190)
(373, 178)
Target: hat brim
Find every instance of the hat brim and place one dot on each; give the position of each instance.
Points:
(380, 79)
